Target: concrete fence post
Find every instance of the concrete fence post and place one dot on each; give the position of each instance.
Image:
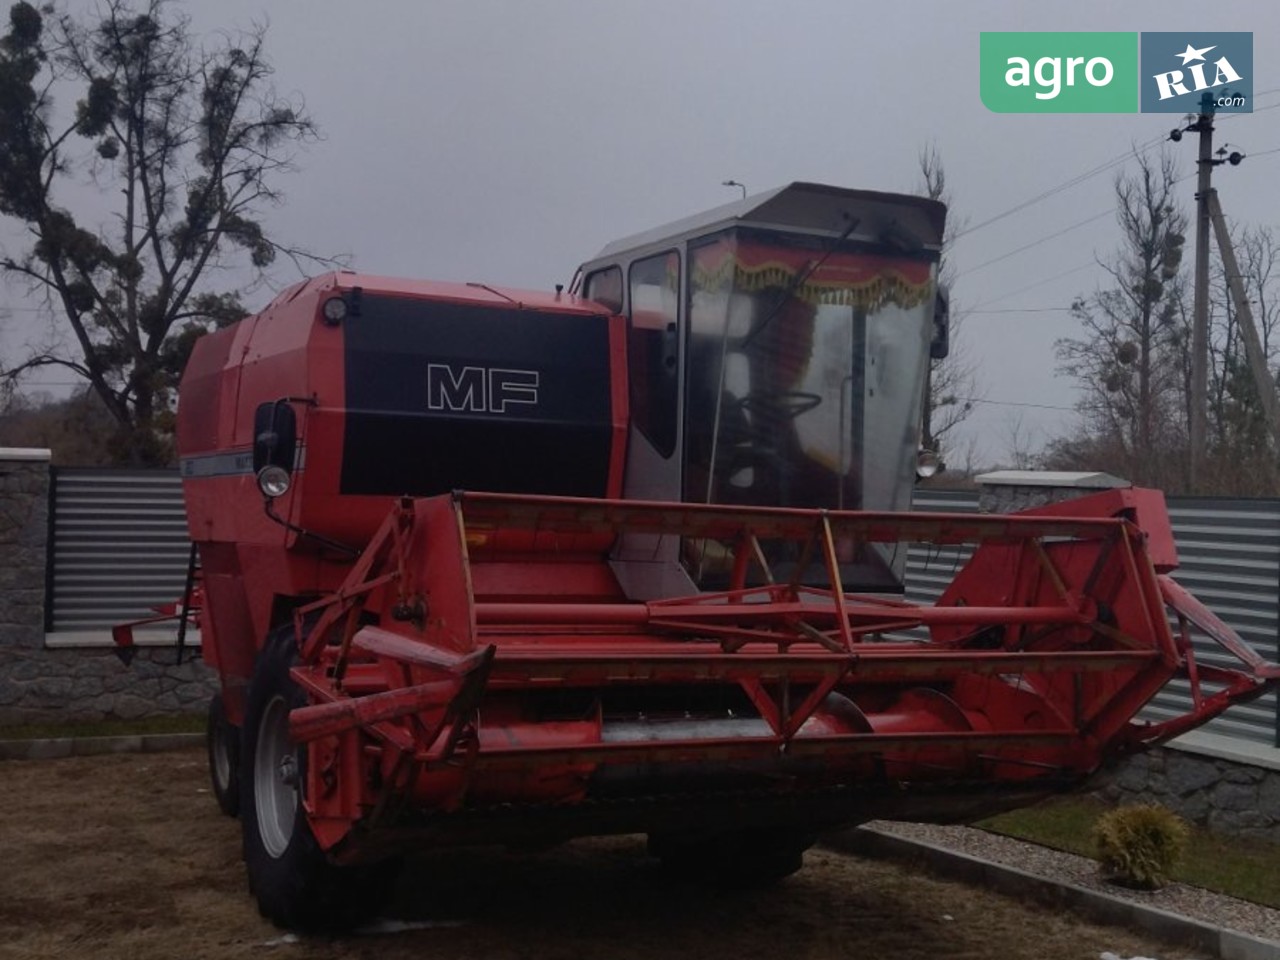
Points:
(1008, 491)
(24, 534)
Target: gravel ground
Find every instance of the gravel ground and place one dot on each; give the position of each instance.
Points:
(1239, 915)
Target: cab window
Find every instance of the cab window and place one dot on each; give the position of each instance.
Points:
(652, 348)
(605, 288)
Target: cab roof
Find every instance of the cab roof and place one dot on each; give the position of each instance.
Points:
(809, 207)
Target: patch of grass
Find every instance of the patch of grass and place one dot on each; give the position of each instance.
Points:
(1239, 867)
(1063, 823)
(176, 723)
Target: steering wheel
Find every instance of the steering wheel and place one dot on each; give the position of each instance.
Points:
(787, 404)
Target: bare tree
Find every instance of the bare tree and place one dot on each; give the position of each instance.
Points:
(187, 144)
(1129, 359)
(1020, 443)
(1240, 460)
(952, 383)
(76, 429)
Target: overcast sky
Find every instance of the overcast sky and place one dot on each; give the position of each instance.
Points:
(507, 141)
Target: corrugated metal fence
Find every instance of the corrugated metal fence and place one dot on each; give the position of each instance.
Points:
(1229, 557)
(119, 545)
(930, 569)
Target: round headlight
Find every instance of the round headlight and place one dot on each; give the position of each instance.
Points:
(334, 310)
(928, 464)
(273, 481)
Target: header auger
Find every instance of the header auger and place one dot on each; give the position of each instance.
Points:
(629, 559)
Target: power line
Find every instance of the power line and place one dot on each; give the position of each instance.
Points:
(1101, 168)
(1065, 185)
(1247, 156)
(1032, 286)
(1220, 119)
(1017, 310)
(1088, 220)
(1016, 403)
(1035, 243)
(1059, 276)
(1089, 174)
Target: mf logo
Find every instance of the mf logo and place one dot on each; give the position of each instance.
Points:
(1187, 73)
(479, 389)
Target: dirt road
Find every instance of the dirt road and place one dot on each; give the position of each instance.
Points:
(126, 858)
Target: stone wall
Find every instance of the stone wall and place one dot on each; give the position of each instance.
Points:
(39, 684)
(1008, 491)
(90, 683)
(1223, 795)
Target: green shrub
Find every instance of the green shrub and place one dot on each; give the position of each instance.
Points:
(1139, 846)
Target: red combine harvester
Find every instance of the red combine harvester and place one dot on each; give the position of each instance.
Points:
(629, 559)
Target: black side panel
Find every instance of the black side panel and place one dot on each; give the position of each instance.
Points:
(445, 396)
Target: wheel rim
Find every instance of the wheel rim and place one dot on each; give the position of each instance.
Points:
(275, 789)
(221, 758)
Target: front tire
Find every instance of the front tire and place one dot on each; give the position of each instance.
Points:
(222, 741)
(295, 883)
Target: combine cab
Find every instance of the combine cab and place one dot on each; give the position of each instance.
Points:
(490, 566)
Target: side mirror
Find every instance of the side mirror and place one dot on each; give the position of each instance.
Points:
(928, 464)
(275, 446)
(940, 345)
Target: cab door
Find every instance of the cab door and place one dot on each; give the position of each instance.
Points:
(648, 291)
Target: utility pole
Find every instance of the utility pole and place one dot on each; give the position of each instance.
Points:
(1206, 203)
(1200, 308)
(1256, 356)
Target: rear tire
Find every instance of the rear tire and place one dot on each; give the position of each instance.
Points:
(222, 741)
(739, 859)
(295, 883)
